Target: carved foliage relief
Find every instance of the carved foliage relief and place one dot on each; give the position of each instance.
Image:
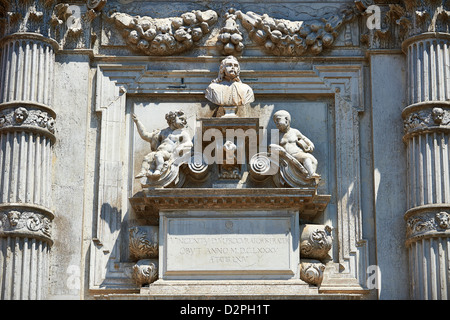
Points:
(13, 221)
(21, 116)
(143, 242)
(144, 247)
(426, 118)
(427, 223)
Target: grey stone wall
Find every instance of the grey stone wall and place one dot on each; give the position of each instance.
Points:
(82, 68)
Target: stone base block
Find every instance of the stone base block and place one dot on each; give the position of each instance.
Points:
(238, 289)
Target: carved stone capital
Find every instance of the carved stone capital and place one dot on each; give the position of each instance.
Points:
(315, 241)
(145, 272)
(426, 16)
(66, 23)
(26, 16)
(405, 19)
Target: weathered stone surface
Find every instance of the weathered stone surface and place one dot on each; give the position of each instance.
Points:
(368, 189)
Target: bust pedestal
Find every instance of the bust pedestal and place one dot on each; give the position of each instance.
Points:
(230, 111)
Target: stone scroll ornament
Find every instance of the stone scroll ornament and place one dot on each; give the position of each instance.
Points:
(315, 243)
(297, 166)
(145, 272)
(311, 271)
(164, 36)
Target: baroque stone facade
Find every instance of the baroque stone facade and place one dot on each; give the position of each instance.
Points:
(185, 149)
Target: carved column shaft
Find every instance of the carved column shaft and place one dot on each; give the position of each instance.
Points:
(427, 134)
(26, 139)
(428, 66)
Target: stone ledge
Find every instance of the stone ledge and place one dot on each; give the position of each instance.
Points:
(261, 289)
(148, 203)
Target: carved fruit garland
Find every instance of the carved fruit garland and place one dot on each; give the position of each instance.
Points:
(283, 37)
(164, 36)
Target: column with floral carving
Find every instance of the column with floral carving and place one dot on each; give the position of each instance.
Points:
(427, 138)
(26, 137)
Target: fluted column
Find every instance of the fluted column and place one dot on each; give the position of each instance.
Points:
(427, 138)
(26, 138)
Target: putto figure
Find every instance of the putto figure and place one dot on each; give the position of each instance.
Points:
(167, 145)
(227, 90)
(295, 144)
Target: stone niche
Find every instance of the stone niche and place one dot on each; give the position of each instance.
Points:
(259, 223)
(229, 208)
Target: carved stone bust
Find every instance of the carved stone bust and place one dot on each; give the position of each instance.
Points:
(227, 89)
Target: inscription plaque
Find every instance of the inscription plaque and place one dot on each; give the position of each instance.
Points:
(229, 245)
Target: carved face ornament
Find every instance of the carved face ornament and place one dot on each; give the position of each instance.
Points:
(13, 217)
(438, 115)
(443, 220)
(20, 114)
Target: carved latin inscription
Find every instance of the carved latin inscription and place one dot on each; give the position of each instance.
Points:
(238, 246)
(242, 250)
